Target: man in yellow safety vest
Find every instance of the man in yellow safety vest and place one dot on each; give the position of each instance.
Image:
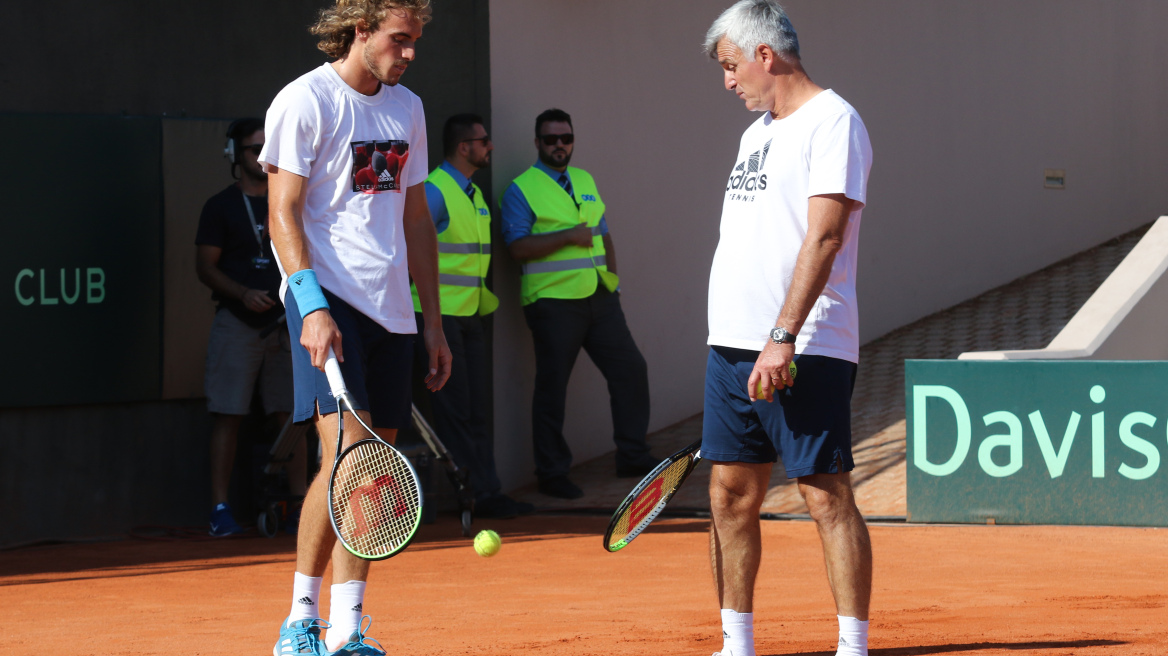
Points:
(463, 222)
(554, 225)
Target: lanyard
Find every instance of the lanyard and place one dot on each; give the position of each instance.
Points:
(256, 230)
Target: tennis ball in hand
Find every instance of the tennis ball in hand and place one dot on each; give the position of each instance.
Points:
(487, 543)
(779, 385)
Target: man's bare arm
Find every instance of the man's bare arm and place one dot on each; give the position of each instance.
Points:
(286, 195)
(422, 256)
(209, 273)
(533, 247)
(827, 220)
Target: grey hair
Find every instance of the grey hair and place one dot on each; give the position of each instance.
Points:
(751, 23)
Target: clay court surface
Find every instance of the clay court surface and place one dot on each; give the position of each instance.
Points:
(553, 590)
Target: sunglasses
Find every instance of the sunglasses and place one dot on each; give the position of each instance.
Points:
(485, 139)
(253, 149)
(551, 139)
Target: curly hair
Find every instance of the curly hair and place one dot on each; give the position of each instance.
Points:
(337, 25)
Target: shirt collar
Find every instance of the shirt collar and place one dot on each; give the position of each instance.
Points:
(552, 173)
(459, 178)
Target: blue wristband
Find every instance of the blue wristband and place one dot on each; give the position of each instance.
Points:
(307, 292)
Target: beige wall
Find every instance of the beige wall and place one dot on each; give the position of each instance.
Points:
(966, 104)
(193, 170)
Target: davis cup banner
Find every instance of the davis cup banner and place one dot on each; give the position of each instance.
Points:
(1037, 442)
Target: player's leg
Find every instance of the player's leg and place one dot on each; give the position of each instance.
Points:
(384, 386)
(558, 327)
(847, 549)
(612, 348)
(816, 446)
(737, 490)
(742, 456)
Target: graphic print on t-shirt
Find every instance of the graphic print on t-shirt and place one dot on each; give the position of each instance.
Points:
(748, 176)
(378, 165)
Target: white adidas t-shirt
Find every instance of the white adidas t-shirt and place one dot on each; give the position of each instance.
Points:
(822, 148)
(359, 153)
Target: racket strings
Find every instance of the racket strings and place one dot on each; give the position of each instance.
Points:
(375, 499)
(649, 502)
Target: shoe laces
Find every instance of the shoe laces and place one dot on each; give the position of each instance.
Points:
(362, 629)
(306, 639)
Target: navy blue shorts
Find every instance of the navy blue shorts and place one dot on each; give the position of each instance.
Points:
(377, 368)
(808, 425)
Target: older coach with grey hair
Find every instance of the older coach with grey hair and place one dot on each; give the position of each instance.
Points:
(783, 291)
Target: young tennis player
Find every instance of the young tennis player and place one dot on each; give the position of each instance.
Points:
(783, 289)
(346, 161)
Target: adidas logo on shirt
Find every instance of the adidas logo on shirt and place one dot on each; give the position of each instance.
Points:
(747, 175)
(306, 601)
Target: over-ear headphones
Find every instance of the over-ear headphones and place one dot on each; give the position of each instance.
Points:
(239, 128)
(229, 150)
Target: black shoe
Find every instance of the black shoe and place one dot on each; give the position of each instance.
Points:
(637, 468)
(560, 487)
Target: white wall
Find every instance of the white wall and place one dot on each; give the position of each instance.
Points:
(966, 104)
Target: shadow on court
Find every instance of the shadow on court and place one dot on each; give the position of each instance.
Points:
(144, 557)
(973, 646)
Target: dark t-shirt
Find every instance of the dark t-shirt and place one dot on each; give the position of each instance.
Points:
(224, 223)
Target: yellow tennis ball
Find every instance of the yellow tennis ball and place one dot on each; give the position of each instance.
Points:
(487, 543)
(779, 386)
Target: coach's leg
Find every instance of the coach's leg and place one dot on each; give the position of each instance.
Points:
(737, 490)
(847, 550)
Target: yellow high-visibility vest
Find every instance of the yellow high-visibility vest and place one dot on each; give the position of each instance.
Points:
(464, 251)
(572, 271)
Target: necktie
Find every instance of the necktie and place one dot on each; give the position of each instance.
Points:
(470, 190)
(566, 183)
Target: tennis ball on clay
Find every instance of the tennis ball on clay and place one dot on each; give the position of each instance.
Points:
(779, 386)
(487, 543)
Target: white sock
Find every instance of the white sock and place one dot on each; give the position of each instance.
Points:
(344, 613)
(853, 637)
(305, 598)
(737, 633)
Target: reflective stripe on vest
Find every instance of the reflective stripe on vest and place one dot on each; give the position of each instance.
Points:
(565, 265)
(572, 271)
(464, 251)
(464, 248)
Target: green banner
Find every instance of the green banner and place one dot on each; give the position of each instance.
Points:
(80, 259)
(1037, 442)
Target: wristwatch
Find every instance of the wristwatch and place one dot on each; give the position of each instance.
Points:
(781, 336)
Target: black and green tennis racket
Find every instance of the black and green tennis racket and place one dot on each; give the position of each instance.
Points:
(375, 498)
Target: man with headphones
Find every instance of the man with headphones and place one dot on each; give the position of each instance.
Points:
(234, 259)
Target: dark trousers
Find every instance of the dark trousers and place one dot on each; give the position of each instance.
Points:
(559, 328)
(461, 407)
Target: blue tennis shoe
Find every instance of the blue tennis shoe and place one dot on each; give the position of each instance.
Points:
(301, 638)
(223, 522)
(357, 645)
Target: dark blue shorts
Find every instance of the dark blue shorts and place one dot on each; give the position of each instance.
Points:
(377, 368)
(808, 425)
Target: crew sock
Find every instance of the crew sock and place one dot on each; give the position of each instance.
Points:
(737, 633)
(853, 637)
(344, 613)
(305, 598)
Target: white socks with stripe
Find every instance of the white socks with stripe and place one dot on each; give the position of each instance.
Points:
(737, 633)
(344, 613)
(305, 598)
(853, 637)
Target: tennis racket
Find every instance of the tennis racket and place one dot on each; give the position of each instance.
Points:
(375, 498)
(650, 496)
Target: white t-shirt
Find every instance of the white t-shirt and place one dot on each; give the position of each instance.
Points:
(359, 154)
(822, 148)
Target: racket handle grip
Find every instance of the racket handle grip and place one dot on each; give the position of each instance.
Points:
(332, 369)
